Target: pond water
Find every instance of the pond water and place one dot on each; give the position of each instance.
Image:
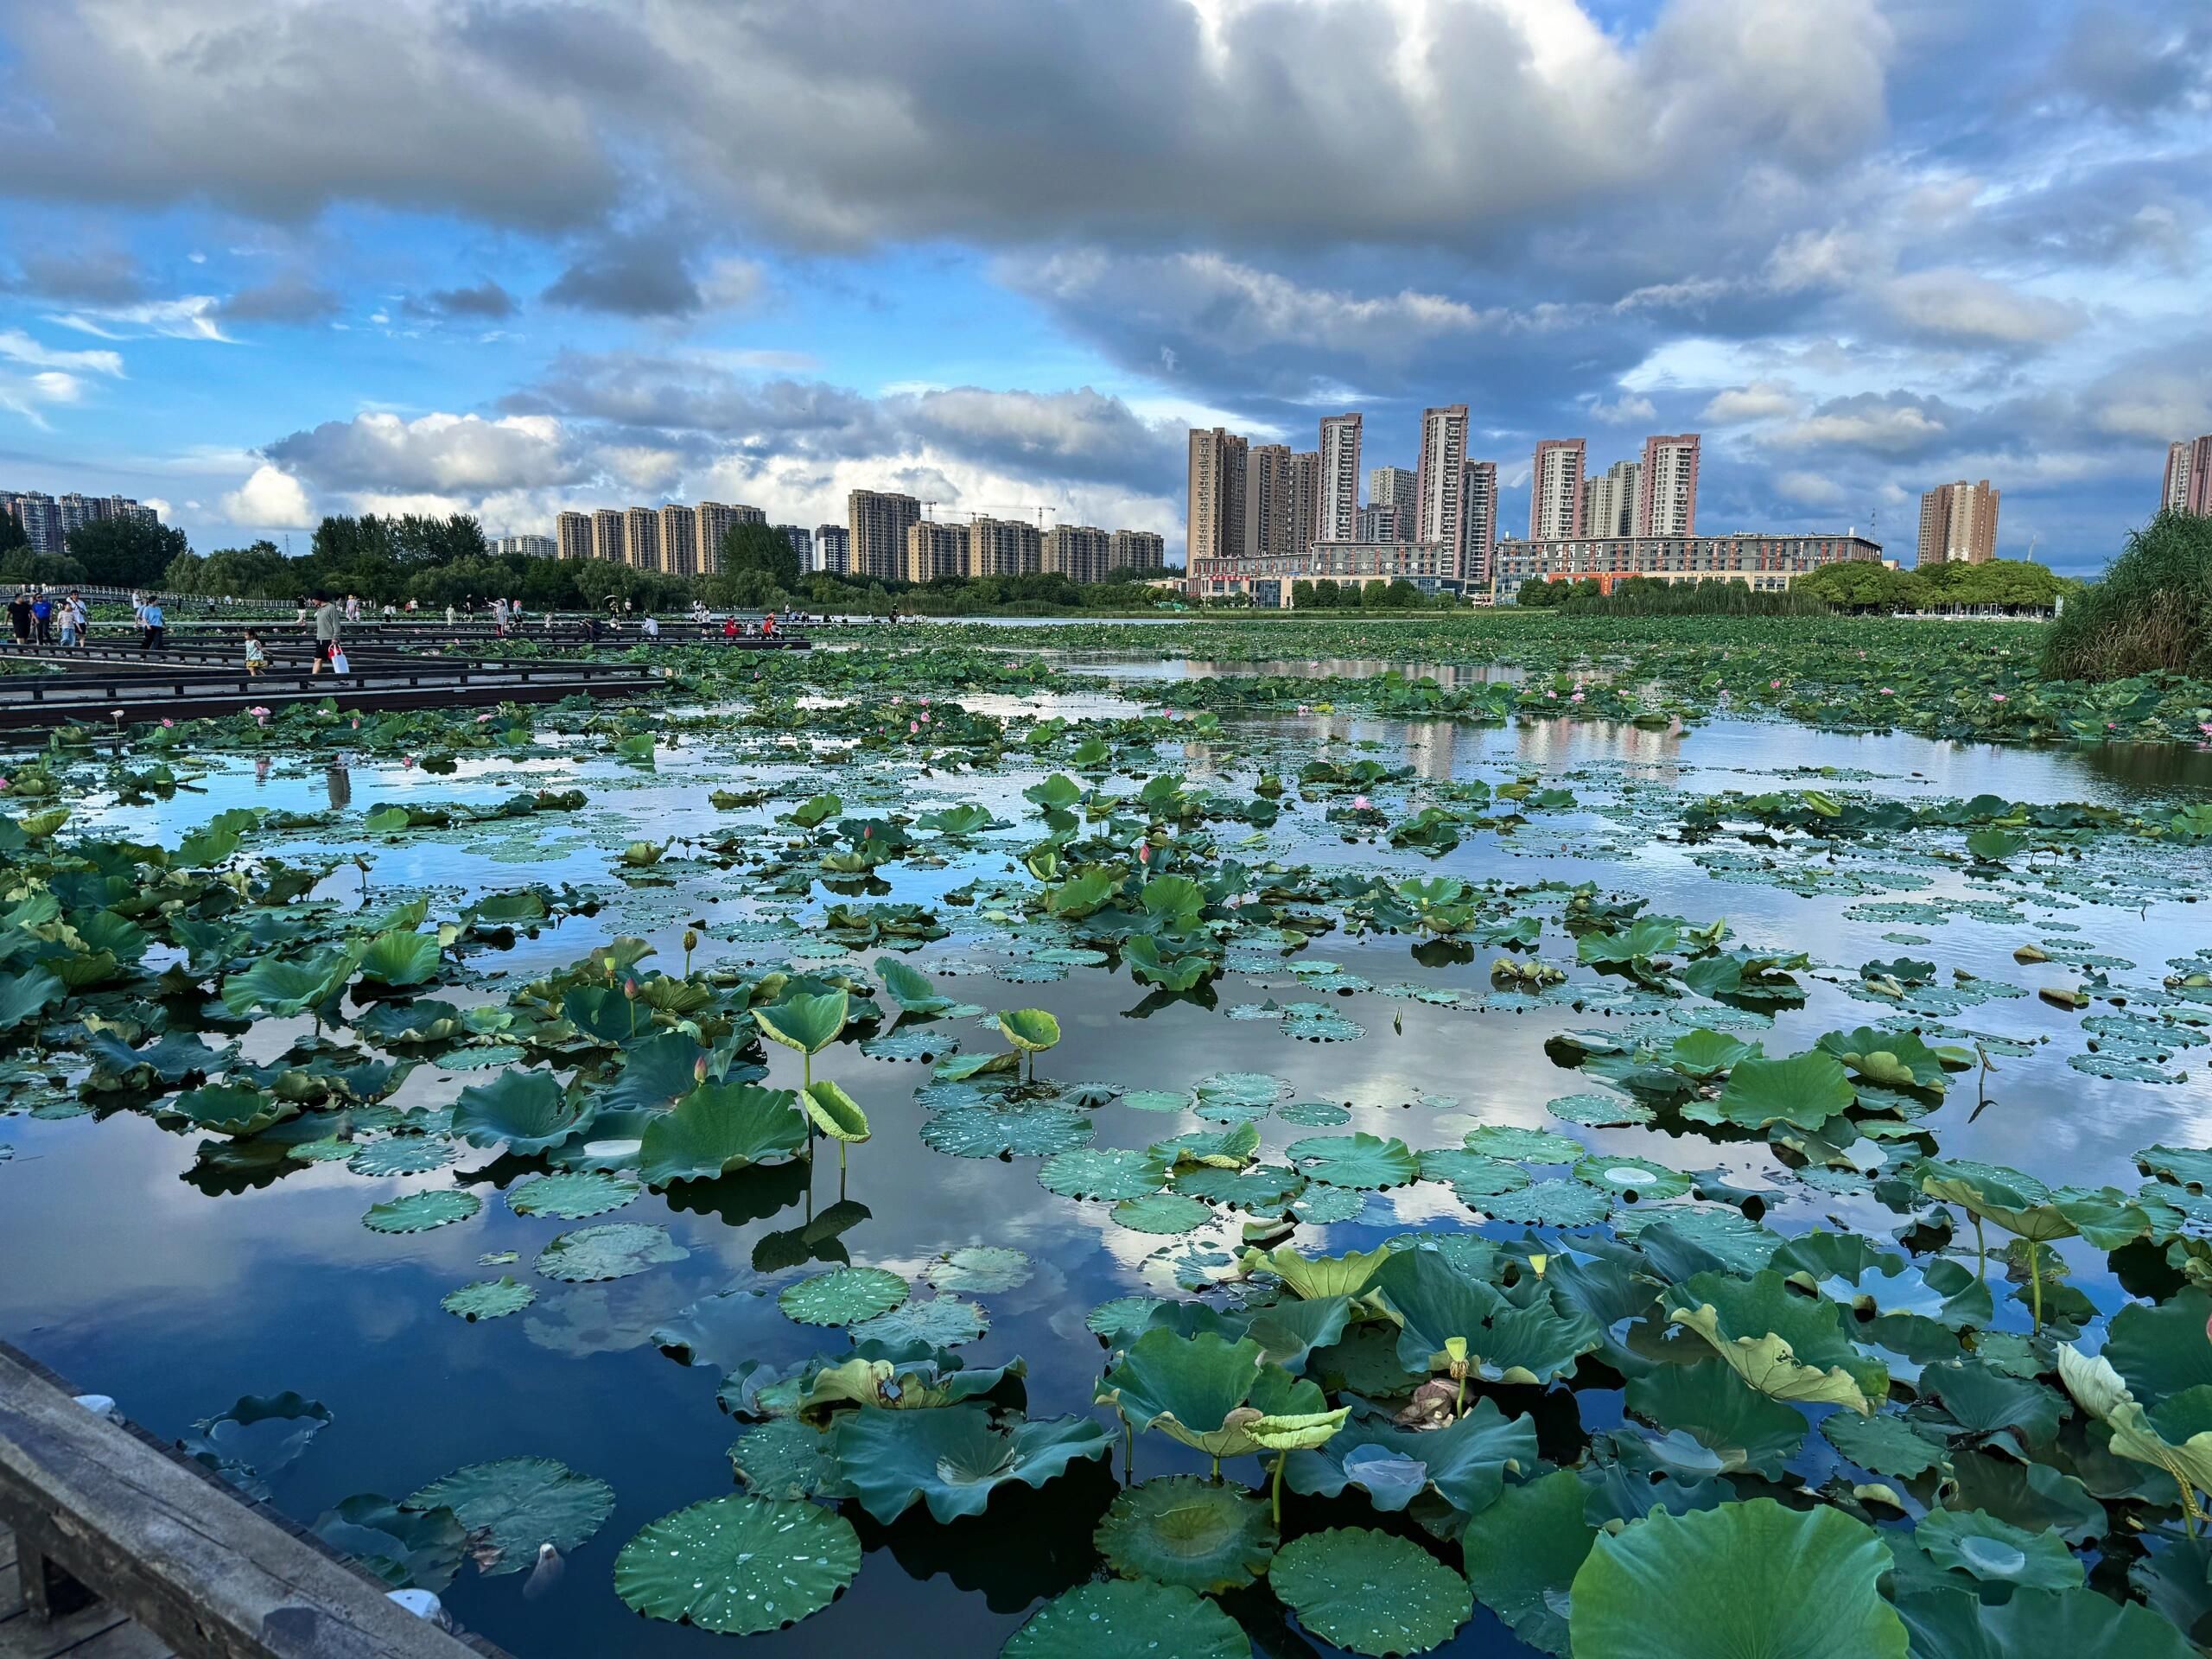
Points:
(134, 1275)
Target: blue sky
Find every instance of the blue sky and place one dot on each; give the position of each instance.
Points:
(264, 261)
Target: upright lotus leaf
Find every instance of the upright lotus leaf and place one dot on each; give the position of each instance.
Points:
(25, 996)
(1804, 1091)
(1745, 1430)
(407, 1548)
(1789, 1346)
(740, 1566)
(1371, 1592)
(1032, 1030)
(953, 1459)
(516, 1504)
(1895, 1059)
(1739, 1580)
(807, 1023)
(1125, 1618)
(1499, 1338)
(1704, 1053)
(284, 988)
(400, 958)
(1186, 1530)
(1984, 1401)
(2036, 1624)
(835, 1113)
(1466, 1462)
(1293, 1329)
(1314, 1278)
(526, 1111)
(1192, 1389)
(910, 989)
(719, 1128)
(1523, 1552)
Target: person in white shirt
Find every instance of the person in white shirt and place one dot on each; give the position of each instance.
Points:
(651, 625)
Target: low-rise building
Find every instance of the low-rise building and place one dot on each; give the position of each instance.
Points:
(1760, 560)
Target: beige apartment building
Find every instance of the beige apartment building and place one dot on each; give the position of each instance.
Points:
(606, 534)
(1138, 549)
(877, 522)
(1004, 547)
(934, 549)
(1666, 497)
(572, 535)
(679, 541)
(1440, 482)
(641, 538)
(1958, 524)
(1079, 552)
(1219, 460)
(1555, 490)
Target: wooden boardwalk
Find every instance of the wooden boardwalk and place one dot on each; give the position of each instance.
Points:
(98, 1632)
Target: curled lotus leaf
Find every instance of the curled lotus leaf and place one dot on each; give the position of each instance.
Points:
(1371, 1592)
(1789, 1347)
(400, 958)
(1186, 1530)
(2031, 1623)
(1031, 1030)
(739, 1565)
(1466, 1462)
(953, 1459)
(526, 1111)
(514, 1505)
(1310, 1278)
(1743, 1429)
(1740, 1579)
(1129, 1619)
(228, 1108)
(407, 1548)
(843, 1296)
(833, 1112)
(1187, 1387)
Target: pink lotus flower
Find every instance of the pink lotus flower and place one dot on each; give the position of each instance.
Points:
(481, 719)
(168, 724)
(1577, 698)
(1887, 692)
(1359, 804)
(1997, 696)
(2205, 726)
(1774, 685)
(1144, 853)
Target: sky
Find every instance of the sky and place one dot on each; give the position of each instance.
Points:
(267, 259)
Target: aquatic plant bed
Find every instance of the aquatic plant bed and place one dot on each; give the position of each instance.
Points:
(1001, 1141)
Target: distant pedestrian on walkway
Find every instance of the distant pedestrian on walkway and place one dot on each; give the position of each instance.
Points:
(19, 616)
(327, 619)
(153, 622)
(42, 619)
(256, 657)
(71, 617)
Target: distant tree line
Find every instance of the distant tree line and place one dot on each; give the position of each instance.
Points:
(1848, 585)
(1399, 595)
(107, 552)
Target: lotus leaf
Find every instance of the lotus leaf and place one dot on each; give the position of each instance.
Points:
(418, 1212)
(1785, 1345)
(716, 1128)
(1896, 1059)
(402, 1155)
(1743, 1428)
(1523, 1551)
(953, 1459)
(1371, 1592)
(400, 958)
(1128, 1619)
(617, 1250)
(526, 1111)
(940, 1322)
(1366, 1161)
(1102, 1173)
(281, 988)
(229, 1109)
(1888, 1446)
(844, 1296)
(1522, 1146)
(1020, 1131)
(1188, 1531)
(1161, 1212)
(807, 1023)
(979, 1269)
(740, 1566)
(1996, 1551)
(407, 1548)
(1031, 1030)
(1189, 1387)
(1550, 1204)
(490, 1299)
(1631, 1178)
(1466, 1462)
(786, 1460)
(1740, 1579)
(2031, 1623)
(573, 1195)
(1265, 1189)
(833, 1112)
(516, 1504)
(1316, 1277)
(1804, 1091)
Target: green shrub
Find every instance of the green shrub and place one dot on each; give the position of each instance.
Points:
(2151, 610)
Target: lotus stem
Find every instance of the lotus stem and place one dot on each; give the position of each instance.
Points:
(2035, 1279)
(1459, 1400)
(1981, 1254)
(1281, 1457)
(1128, 1445)
(1217, 1472)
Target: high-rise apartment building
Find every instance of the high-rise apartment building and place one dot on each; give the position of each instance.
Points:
(1440, 506)
(47, 521)
(1079, 552)
(1666, 501)
(1555, 490)
(1219, 462)
(1336, 515)
(2188, 477)
(1380, 521)
(876, 523)
(1138, 549)
(1609, 500)
(712, 521)
(572, 535)
(529, 547)
(1478, 540)
(1304, 498)
(39, 516)
(641, 538)
(1004, 547)
(802, 541)
(1270, 502)
(1395, 487)
(1958, 524)
(679, 541)
(832, 545)
(607, 537)
(934, 549)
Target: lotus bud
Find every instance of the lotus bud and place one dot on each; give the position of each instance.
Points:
(699, 1070)
(630, 988)
(690, 939)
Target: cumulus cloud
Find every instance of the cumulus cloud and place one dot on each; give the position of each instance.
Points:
(1625, 411)
(484, 301)
(270, 499)
(1957, 304)
(1886, 426)
(1762, 400)
(437, 454)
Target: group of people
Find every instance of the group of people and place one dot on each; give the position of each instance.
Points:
(40, 619)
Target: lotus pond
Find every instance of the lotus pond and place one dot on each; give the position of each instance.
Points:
(1192, 1141)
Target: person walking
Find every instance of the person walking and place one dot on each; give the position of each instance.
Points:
(256, 657)
(70, 616)
(19, 616)
(153, 622)
(327, 629)
(42, 619)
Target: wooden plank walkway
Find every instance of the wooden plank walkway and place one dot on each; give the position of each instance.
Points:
(98, 1632)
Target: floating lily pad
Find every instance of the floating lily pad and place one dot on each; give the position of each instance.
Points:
(1186, 1529)
(1160, 1100)
(740, 1566)
(1632, 1178)
(1366, 1161)
(1161, 1212)
(1524, 1146)
(1599, 1111)
(1314, 1114)
(573, 1195)
(412, 1154)
(1550, 1204)
(1007, 1132)
(979, 1269)
(1101, 1173)
(514, 1505)
(418, 1212)
(953, 1458)
(844, 1296)
(787, 1459)
(1371, 1592)
(617, 1250)
(1128, 1619)
(490, 1299)
(941, 1322)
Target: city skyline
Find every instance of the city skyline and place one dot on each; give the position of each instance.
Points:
(271, 262)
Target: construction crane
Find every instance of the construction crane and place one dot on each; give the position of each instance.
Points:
(928, 511)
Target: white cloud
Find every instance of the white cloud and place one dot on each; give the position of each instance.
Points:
(1893, 429)
(437, 454)
(194, 316)
(1809, 489)
(1958, 304)
(1762, 400)
(270, 499)
(1629, 409)
(19, 347)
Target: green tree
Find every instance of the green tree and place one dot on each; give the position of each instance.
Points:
(756, 547)
(11, 533)
(125, 552)
(19, 564)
